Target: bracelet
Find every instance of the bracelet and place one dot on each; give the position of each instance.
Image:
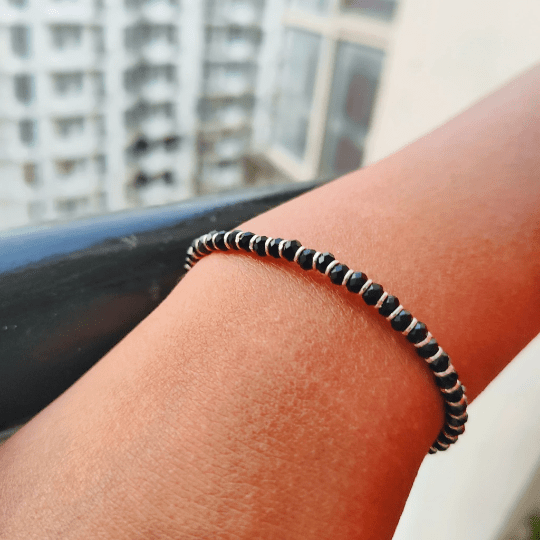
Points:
(401, 320)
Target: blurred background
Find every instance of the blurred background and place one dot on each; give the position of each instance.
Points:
(114, 104)
(107, 105)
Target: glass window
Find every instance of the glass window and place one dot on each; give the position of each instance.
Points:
(72, 207)
(24, 88)
(30, 174)
(101, 164)
(383, 9)
(99, 40)
(139, 35)
(66, 36)
(69, 167)
(20, 40)
(98, 82)
(295, 92)
(68, 83)
(356, 78)
(27, 131)
(69, 127)
(146, 73)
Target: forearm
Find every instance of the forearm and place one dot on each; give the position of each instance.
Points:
(262, 402)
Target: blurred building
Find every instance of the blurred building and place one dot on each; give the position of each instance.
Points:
(53, 155)
(108, 105)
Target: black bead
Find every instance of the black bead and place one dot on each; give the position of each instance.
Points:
(390, 304)
(290, 248)
(323, 260)
(305, 259)
(208, 240)
(455, 396)
(418, 333)
(444, 439)
(439, 446)
(372, 294)
(401, 320)
(454, 431)
(447, 381)
(219, 241)
(258, 246)
(198, 245)
(429, 349)
(356, 282)
(430, 451)
(244, 240)
(455, 409)
(337, 274)
(440, 364)
(230, 238)
(457, 422)
(273, 247)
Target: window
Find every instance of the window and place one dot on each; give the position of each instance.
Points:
(356, 78)
(383, 9)
(66, 36)
(98, 82)
(171, 143)
(20, 40)
(69, 127)
(295, 94)
(101, 164)
(99, 40)
(72, 207)
(68, 83)
(30, 174)
(27, 132)
(143, 33)
(69, 167)
(24, 88)
(145, 73)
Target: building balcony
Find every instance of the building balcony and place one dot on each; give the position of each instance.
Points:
(157, 128)
(158, 91)
(74, 146)
(247, 13)
(232, 117)
(82, 58)
(157, 162)
(159, 52)
(159, 11)
(225, 82)
(238, 51)
(222, 175)
(78, 184)
(73, 104)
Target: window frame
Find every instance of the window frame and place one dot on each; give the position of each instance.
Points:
(333, 26)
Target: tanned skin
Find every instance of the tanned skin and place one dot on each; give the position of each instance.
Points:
(259, 401)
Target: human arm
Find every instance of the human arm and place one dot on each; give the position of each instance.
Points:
(262, 402)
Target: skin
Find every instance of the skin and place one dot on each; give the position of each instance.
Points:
(261, 401)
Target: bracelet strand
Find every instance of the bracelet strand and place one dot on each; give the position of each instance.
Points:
(401, 320)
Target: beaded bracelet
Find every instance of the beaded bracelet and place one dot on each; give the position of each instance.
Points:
(401, 320)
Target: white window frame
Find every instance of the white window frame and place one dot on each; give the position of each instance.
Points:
(333, 26)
